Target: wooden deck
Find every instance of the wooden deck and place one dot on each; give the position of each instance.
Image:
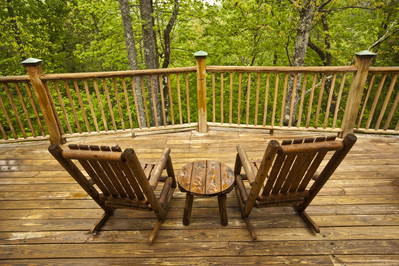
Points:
(45, 216)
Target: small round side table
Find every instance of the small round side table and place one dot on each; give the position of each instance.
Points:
(205, 178)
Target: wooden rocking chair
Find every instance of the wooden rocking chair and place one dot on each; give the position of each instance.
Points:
(123, 181)
(282, 176)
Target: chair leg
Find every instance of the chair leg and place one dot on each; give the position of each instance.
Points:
(187, 209)
(250, 228)
(246, 219)
(222, 209)
(100, 222)
(309, 221)
(155, 232)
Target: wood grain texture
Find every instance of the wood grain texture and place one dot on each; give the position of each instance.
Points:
(45, 216)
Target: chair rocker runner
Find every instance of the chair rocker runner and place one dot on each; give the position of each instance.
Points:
(282, 176)
(122, 181)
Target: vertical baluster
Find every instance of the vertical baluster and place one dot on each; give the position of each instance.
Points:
(266, 99)
(339, 100)
(162, 100)
(221, 98)
(32, 101)
(100, 104)
(91, 105)
(275, 99)
(311, 100)
(188, 100)
(323, 83)
(72, 106)
(283, 102)
(135, 102)
(82, 107)
(305, 79)
(393, 108)
(8, 118)
(377, 97)
(231, 98)
(145, 101)
(61, 101)
(213, 98)
(154, 105)
(109, 104)
(248, 97)
(382, 112)
(257, 100)
(127, 103)
(293, 99)
(239, 99)
(21, 99)
(179, 98)
(171, 101)
(3, 132)
(329, 100)
(118, 103)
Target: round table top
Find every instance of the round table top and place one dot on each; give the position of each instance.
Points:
(206, 178)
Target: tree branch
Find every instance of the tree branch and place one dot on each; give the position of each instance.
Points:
(346, 7)
(322, 5)
(317, 50)
(386, 35)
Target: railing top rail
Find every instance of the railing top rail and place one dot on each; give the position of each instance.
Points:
(119, 74)
(6, 79)
(375, 70)
(257, 69)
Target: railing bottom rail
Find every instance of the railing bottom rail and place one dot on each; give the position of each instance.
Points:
(335, 130)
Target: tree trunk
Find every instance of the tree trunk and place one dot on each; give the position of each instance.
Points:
(150, 57)
(15, 28)
(307, 12)
(166, 54)
(131, 53)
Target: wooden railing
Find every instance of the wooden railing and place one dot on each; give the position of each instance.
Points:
(330, 99)
(262, 94)
(378, 112)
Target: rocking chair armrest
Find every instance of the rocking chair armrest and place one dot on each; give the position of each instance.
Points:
(246, 164)
(156, 174)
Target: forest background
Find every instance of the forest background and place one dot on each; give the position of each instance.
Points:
(108, 35)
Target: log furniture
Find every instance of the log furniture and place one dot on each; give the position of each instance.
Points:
(283, 175)
(205, 178)
(119, 179)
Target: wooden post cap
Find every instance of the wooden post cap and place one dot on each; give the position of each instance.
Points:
(31, 61)
(365, 53)
(200, 54)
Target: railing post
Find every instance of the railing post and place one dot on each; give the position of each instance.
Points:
(34, 69)
(201, 88)
(363, 60)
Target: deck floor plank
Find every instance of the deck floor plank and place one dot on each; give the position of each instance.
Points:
(45, 216)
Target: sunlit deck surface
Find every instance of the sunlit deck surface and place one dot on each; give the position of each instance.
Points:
(45, 216)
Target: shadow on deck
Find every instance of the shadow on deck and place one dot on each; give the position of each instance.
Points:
(45, 216)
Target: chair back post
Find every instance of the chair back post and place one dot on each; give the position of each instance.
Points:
(328, 170)
(267, 161)
(71, 168)
(134, 164)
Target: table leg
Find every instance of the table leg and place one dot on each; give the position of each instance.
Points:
(223, 209)
(187, 209)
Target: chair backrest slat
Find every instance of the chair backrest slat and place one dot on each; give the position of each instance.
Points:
(294, 173)
(113, 177)
(312, 170)
(283, 173)
(122, 179)
(273, 174)
(132, 180)
(297, 171)
(289, 160)
(301, 172)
